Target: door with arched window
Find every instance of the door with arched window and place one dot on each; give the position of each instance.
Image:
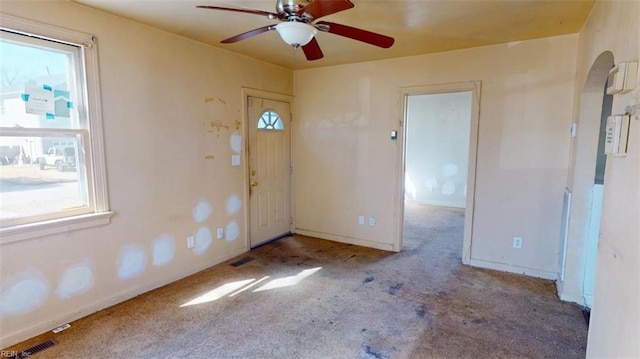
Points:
(269, 123)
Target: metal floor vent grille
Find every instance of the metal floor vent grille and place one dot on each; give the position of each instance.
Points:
(241, 262)
(27, 353)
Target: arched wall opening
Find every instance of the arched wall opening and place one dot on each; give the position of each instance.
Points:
(585, 184)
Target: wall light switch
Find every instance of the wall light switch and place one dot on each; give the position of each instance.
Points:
(220, 233)
(517, 242)
(361, 220)
(235, 160)
(372, 221)
(573, 130)
(191, 242)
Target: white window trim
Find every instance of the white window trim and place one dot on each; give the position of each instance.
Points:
(102, 214)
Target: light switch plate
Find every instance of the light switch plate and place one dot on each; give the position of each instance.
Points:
(235, 160)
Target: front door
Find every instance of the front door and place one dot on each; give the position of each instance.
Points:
(269, 124)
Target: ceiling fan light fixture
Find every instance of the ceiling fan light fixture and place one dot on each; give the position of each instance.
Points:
(296, 33)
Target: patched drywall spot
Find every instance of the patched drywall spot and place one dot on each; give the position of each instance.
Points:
(238, 124)
(233, 204)
(236, 142)
(203, 239)
(202, 210)
(448, 188)
(217, 125)
(23, 292)
(222, 101)
(232, 231)
(164, 247)
(75, 280)
(209, 157)
(208, 99)
(450, 169)
(132, 261)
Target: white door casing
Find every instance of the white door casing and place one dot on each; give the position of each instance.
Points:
(269, 150)
(474, 87)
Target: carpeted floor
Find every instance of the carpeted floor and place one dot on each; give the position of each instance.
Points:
(302, 297)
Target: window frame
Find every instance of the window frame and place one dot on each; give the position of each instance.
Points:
(96, 177)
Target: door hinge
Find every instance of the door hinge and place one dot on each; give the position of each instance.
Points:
(290, 220)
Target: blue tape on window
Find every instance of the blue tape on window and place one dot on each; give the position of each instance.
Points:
(50, 116)
(25, 97)
(47, 87)
(69, 104)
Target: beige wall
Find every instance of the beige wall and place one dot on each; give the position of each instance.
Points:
(615, 316)
(158, 130)
(346, 165)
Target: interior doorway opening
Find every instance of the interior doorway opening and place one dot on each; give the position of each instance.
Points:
(439, 161)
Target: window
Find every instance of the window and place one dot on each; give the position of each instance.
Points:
(270, 121)
(51, 156)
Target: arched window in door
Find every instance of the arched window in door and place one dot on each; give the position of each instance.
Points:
(270, 121)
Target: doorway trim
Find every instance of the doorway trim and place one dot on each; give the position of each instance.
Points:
(251, 92)
(404, 93)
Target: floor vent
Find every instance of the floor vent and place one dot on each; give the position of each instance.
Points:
(27, 353)
(241, 262)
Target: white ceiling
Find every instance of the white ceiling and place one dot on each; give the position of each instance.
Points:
(418, 26)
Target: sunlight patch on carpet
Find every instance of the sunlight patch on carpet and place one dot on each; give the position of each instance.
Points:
(288, 281)
(218, 293)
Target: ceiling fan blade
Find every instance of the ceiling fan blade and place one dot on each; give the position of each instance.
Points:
(320, 8)
(312, 50)
(359, 34)
(248, 34)
(268, 14)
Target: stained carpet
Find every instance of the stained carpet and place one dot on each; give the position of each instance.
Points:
(301, 297)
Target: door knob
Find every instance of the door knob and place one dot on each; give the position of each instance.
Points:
(254, 183)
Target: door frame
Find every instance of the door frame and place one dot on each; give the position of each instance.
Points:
(251, 92)
(404, 93)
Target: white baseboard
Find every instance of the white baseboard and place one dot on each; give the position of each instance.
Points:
(513, 269)
(24, 334)
(345, 239)
(572, 297)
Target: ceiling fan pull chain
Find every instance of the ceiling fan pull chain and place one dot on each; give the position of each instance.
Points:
(293, 55)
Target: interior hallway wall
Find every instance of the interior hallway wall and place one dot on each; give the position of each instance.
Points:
(437, 148)
(346, 164)
(172, 120)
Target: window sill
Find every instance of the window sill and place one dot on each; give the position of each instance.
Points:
(45, 228)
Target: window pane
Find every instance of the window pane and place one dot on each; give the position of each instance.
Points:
(270, 121)
(41, 175)
(37, 83)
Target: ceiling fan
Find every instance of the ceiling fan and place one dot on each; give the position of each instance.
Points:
(297, 27)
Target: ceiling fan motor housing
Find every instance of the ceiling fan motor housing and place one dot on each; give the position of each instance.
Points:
(286, 8)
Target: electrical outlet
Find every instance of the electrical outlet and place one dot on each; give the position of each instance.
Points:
(220, 233)
(361, 220)
(191, 242)
(372, 221)
(517, 242)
